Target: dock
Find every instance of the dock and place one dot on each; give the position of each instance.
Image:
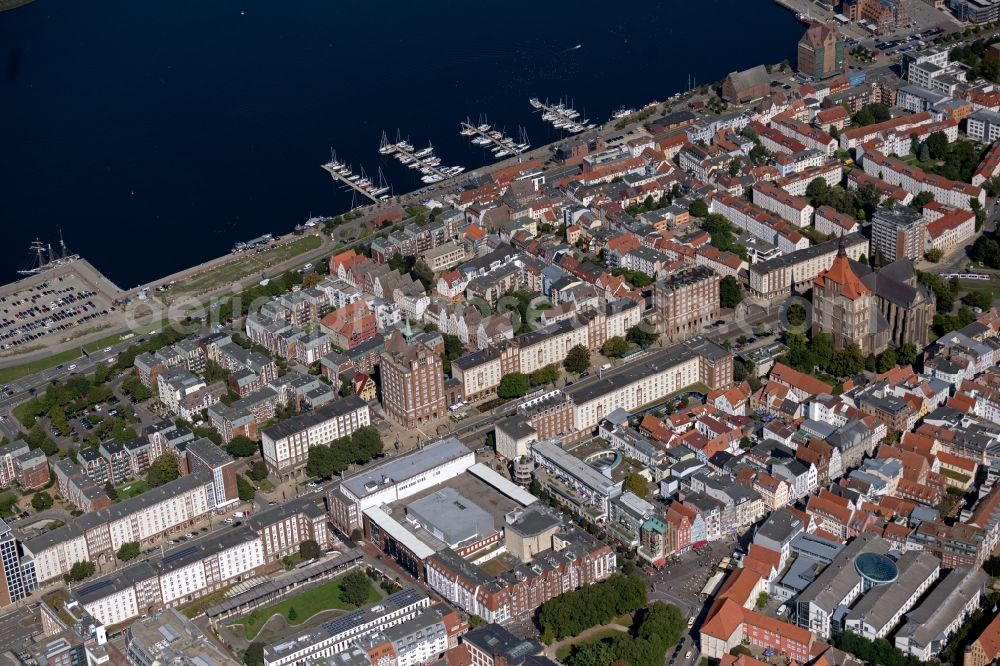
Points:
(487, 137)
(422, 159)
(359, 184)
(561, 116)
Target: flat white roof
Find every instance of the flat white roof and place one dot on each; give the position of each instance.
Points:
(398, 532)
(511, 490)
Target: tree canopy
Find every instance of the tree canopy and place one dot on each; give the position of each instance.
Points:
(513, 385)
(577, 359)
(128, 551)
(698, 208)
(642, 334)
(242, 446)
(354, 588)
(360, 447)
(163, 470)
(245, 489)
(41, 501)
(309, 549)
(730, 293)
(79, 571)
(572, 612)
(615, 347)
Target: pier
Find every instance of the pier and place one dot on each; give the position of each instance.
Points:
(501, 146)
(423, 159)
(561, 116)
(359, 184)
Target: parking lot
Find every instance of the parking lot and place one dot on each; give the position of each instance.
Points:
(51, 307)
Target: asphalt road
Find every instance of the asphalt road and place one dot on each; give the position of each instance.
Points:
(38, 381)
(18, 627)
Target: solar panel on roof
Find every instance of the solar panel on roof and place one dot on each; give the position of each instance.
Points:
(93, 587)
(179, 554)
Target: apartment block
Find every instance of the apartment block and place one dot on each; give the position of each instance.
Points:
(915, 180)
(286, 444)
(791, 209)
(898, 233)
(412, 382)
(686, 302)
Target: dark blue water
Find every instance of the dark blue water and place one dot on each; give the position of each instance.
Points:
(155, 134)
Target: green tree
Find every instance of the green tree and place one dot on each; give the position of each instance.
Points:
(254, 654)
(937, 145)
(698, 208)
(111, 491)
(292, 615)
(577, 359)
(887, 360)
(309, 550)
(907, 354)
(345, 389)
(214, 373)
(642, 334)
(128, 551)
(818, 189)
(933, 255)
(163, 470)
(922, 200)
(746, 443)
(354, 588)
(41, 501)
(242, 446)
(135, 388)
(366, 444)
(924, 152)
(796, 314)
(245, 489)
(762, 599)
(80, 571)
(102, 373)
(424, 274)
(822, 348)
(637, 483)
(513, 385)
(547, 374)
(321, 462)
(258, 470)
(730, 293)
(615, 347)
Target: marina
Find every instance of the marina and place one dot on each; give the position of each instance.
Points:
(562, 116)
(494, 140)
(259, 243)
(422, 159)
(360, 183)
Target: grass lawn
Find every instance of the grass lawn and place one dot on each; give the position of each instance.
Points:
(980, 286)
(246, 265)
(107, 341)
(131, 489)
(264, 486)
(564, 650)
(306, 604)
(17, 371)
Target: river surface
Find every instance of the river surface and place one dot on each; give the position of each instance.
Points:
(156, 134)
